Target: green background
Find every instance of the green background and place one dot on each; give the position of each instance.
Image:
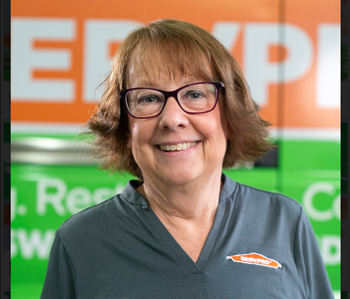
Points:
(35, 218)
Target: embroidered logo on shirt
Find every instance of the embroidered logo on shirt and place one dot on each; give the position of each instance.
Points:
(255, 259)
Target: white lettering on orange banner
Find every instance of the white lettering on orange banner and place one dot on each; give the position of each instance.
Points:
(97, 62)
(98, 34)
(25, 59)
(259, 71)
(328, 66)
(255, 259)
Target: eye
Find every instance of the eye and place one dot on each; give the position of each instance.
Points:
(149, 99)
(194, 95)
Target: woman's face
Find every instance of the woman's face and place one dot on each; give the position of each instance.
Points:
(206, 133)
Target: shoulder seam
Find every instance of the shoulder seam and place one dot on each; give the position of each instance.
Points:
(272, 193)
(132, 203)
(86, 209)
(71, 262)
(296, 229)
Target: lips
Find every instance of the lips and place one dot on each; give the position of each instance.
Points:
(176, 147)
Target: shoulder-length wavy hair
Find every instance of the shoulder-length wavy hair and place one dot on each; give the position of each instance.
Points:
(184, 48)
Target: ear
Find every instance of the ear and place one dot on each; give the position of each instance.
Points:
(128, 141)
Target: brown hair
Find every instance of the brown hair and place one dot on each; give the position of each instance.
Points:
(181, 47)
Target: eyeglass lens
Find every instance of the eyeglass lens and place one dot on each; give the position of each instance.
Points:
(195, 98)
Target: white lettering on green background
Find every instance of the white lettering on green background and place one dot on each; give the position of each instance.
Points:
(54, 193)
(78, 199)
(30, 244)
(330, 249)
(308, 202)
(51, 193)
(45, 198)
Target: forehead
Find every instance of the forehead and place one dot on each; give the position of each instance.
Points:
(154, 65)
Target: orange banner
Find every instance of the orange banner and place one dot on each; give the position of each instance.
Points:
(61, 51)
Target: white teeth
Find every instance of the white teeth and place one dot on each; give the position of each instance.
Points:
(177, 147)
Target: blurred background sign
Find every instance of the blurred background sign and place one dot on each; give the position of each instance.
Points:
(62, 50)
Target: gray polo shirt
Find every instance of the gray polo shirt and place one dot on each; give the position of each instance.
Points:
(261, 245)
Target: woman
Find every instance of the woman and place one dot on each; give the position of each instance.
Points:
(176, 110)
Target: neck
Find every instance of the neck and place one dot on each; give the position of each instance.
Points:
(195, 201)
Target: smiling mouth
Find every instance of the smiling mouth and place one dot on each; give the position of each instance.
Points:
(177, 147)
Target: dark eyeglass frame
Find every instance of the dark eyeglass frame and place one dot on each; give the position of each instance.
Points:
(168, 94)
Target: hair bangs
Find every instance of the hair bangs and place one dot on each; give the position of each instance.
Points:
(168, 56)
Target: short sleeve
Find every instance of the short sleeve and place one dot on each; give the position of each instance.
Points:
(60, 278)
(308, 259)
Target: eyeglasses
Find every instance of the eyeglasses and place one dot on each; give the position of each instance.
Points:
(193, 98)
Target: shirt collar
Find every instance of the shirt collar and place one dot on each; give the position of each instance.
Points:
(131, 195)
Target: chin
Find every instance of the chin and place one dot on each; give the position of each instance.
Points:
(179, 177)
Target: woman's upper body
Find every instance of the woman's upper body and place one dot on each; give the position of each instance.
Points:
(261, 245)
(176, 110)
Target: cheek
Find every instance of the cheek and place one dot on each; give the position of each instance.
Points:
(217, 127)
(216, 131)
(140, 134)
(134, 136)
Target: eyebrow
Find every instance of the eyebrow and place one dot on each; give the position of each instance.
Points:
(152, 84)
(147, 83)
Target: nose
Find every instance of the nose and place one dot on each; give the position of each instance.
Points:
(172, 116)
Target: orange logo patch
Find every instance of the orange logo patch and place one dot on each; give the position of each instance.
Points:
(255, 259)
